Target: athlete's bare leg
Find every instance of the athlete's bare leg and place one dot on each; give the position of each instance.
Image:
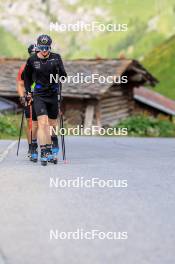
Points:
(53, 123)
(34, 129)
(28, 132)
(43, 129)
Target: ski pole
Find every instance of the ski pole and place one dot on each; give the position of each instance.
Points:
(20, 131)
(30, 122)
(62, 124)
(62, 138)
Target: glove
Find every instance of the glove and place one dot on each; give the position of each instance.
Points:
(29, 98)
(22, 100)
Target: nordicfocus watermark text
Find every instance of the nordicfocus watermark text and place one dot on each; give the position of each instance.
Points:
(80, 78)
(81, 182)
(80, 130)
(81, 234)
(94, 26)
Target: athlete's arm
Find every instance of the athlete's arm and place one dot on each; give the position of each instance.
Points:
(20, 88)
(20, 82)
(28, 76)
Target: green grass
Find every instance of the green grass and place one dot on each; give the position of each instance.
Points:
(137, 41)
(147, 126)
(137, 125)
(9, 126)
(123, 10)
(161, 63)
(10, 46)
(149, 40)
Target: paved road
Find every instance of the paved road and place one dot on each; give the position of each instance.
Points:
(29, 208)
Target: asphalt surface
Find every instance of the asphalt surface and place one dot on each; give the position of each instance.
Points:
(30, 208)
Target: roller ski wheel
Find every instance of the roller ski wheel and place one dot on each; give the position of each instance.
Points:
(55, 161)
(43, 163)
(34, 160)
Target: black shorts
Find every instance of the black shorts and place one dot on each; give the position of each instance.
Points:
(46, 105)
(27, 112)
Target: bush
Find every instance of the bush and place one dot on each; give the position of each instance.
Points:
(146, 126)
(9, 126)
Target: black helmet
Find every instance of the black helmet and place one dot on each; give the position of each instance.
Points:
(44, 40)
(32, 48)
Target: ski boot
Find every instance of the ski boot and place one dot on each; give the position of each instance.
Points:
(34, 152)
(55, 149)
(43, 157)
(34, 156)
(49, 155)
(55, 154)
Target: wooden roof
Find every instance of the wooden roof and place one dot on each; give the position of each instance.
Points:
(154, 100)
(137, 75)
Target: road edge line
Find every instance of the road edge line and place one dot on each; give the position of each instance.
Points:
(6, 151)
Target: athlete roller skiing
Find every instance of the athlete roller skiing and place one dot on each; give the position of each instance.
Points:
(21, 92)
(38, 69)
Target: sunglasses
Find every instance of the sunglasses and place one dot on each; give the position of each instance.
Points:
(43, 48)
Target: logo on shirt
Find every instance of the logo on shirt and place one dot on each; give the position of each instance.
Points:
(36, 64)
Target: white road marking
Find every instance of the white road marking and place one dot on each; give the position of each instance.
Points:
(6, 151)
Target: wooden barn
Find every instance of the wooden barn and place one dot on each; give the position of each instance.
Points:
(103, 104)
(97, 103)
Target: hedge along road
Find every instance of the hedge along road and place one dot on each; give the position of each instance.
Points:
(31, 208)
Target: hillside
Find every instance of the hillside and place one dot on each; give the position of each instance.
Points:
(10, 46)
(161, 62)
(149, 23)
